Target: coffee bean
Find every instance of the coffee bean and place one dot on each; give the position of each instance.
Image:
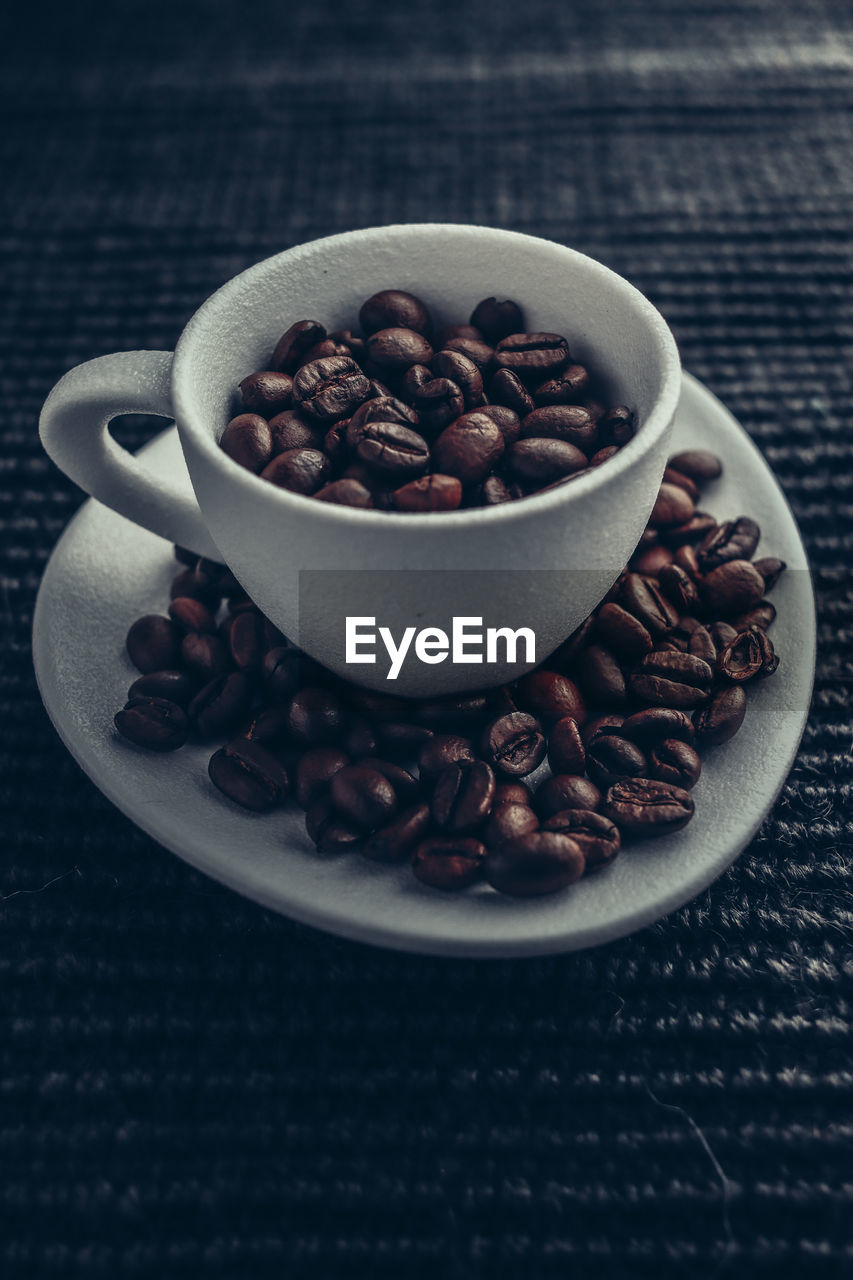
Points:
(511, 793)
(290, 430)
(462, 797)
(345, 493)
(450, 331)
(611, 757)
(685, 558)
(469, 448)
(506, 388)
(771, 570)
(567, 388)
(269, 728)
(616, 425)
(294, 343)
(414, 378)
(621, 632)
(328, 389)
(675, 761)
(603, 455)
(463, 373)
(721, 718)
(651, 560)
(596, 836)
(221, 704)
(733, 540)
(192, 615)
(721, 634)
(699, 526)
(248, 440)
(731, 588)
(533, 356)
(377, 706)
(429, 493)
(393, 350)
(282, 670)
(566, 752)
(569, 422)
(761, 616)
(362, 796)
(336, 835)
(380, 409)
(678, 587)
(497, 319)
(299, 470)
(565, 791)
(402, 737)
(321, 350)
(315, 771)
(672, 680)
(539, 461)
(574, 645)
(315, 716)
(247, 640)
(438, 403)
(507, 822)
(174, 686)
(266, 393)
(655, 725)
(750, 654)
(672, 506)
(444, 749)
(475, 349)
(249, 775)
(601, 677)
(644, 600)
(154, 643)
(392, 842)
(550, 696)
(698, 464)
(537, 863)
(452, 863)
(646, 807)
(358, 737)
(394, 309)
(154, 723)
(702, 646)
(407, 788)
(671, 476)
(204, 655)
(494, 491)
(395, 451)
(514, 744)
(600, 724)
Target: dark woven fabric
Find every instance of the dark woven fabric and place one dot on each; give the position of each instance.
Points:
(192, 1086)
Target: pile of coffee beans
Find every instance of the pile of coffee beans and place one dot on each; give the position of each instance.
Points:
(399, 417)
(620, 712)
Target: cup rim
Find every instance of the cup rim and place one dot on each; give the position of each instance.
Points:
(191, 423)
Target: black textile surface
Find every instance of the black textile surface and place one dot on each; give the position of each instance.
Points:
(190, 1085)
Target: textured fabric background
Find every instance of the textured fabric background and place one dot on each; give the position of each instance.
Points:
(191, 1086)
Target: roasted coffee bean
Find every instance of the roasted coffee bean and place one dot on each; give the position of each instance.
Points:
(507, 822)
(537, 863)
(438, 403)
(566, 752)
(611, 757)
(315, 716)
(358, 737)
(346, 492)
(675, 761)
(494, 491)
(567, 388)
(761, 616)
(550, 696)
(448, 863)
(721, 634)
(402, 737)
(192, 615)
(315, 771)
(174, 686)
(514, 744)
(249, 775)
(646, 602)
(651, 560)
(721, 718)
(444, 749)
(328, 389)
(321, 350)
(290, 430)
(601, 677)
(673, 506)
(646, 807)
(750, 654)
(596, 836)
(694, 530)
(506, 388)
(616, 425)
(415, 378)
(154, 723)
(154, 643)
(269, 728)
(497, 319)
(469, 448)
(475, 349)
(462, 797)
(266, 392)
(294, 343)
(394, 309)
(204, 655)
(512, 793)
(603, 455)
(450, 331)
(734, 540)
(678, 587)
(392, 842)
(248, 440)
(336, 835)
(731, 588)
(362, 796)
(463, 373)
(685, 558)
(565, 791)
(204, 582)
(283, 670)
(380, 409)
(533, 356)
(672, 680)
(396, 349)
(569, 422)
(621, 632)
(576, 643)
(698, 464)
(221, 704)
(671, 476)
(407, 788)
(299, 470)
(600, 724)
(429, 493)
(770, 569)
(508, 422)
(377, 706)
(702, 646)
(540, 461)
(247, 640)
(395, 451)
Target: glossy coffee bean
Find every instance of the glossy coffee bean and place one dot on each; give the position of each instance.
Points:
(511, 793)
(282, 672)
(612, 757)
(315, 771)
(699, 464)
(394, 350)
(601, 677)
(248, 440)
(514, 744)
(622, 633)
(380, 409)
(204, 655)
(174, 686)
(733, 540)
(336, 835)
(616, 425)
(494, 491)
(294, 343)
(469, 448)
(394, 309)
(444, 749)
(290, 430)
(463, 373)
(249, 775)
(346, 492)
(315, 716)
(328, 389)
(672, 680)
(269, 728)
(362, 796)
(478, 351)
(731, 588)
(761, 616)
(192, 615)
(247, 641)
(154, 643)
(750, 654)
(438, 403)
(220, 706)
(358, 737)
(651, 727)
(550, 696)
(537, 863)
(535, 356)
(539, 461)
(603, 455)
(566, 751)
(266, 393)
(643, 807)
(407, 788)
(402, 738)
(565, 791)
(651, 560)
(448, 862)
(399, 837)
(299, 470)
(508, 821)
(497, 319)
(462, 797)
(596, 836)
(693, 531)
(570, 385)
(771, 569)
(600, 724)
(414, 378)
(679, 588)
(569, 422)
(506, 388)
(450, 331)
(395, 452)
(429, 493)
(673, 506)
(675, 761)
(154, 723)
(721, 718)
(671, 476)
(646, 602)
(702, 646)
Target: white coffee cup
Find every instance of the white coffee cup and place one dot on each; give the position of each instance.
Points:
(542, 562)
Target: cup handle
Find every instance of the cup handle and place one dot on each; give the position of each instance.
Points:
(74, 431)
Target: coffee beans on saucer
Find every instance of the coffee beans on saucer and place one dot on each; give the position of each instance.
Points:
(395, 416)
(623, 711)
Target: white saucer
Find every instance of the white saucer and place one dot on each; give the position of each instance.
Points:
(105, 572)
